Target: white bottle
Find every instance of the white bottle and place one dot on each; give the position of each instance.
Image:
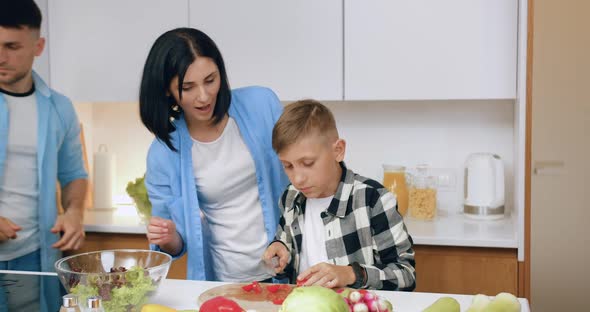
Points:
(94, 304)
(70, 304)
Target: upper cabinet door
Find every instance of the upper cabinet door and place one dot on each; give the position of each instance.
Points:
(293, 47)
(98, 47)
(430, 49)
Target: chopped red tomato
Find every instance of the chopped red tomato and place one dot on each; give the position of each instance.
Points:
(254, 286)
(273, 288)
(278, 301)
(257, 288)
(248, 287)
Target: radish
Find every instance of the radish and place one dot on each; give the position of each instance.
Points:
(360, 307)
(373, 305)
(355, 297)
(369, 296)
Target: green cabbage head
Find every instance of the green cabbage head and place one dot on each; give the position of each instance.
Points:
(314, 299)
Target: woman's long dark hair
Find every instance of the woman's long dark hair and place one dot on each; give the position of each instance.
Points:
(170, 56)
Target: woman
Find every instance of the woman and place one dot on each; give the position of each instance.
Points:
(212, 176)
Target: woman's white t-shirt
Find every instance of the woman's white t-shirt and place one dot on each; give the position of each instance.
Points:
(227, 188)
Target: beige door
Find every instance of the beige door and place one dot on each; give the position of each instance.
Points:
(560, 183)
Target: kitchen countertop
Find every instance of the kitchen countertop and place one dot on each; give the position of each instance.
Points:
(445, 230)
(457, 230)
(183, 294)
(124, 220)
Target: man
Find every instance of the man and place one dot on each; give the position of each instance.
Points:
(39, 144)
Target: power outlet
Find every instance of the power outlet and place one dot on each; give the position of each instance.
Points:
(446, 179)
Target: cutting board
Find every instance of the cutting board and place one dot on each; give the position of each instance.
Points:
(261, 302)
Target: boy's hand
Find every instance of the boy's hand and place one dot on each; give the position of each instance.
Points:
(327, 275)
(279, 250)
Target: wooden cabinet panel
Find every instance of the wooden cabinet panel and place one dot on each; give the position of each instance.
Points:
(466, 270)
(104, 241)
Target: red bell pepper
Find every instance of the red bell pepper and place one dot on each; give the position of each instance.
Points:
(220, 304)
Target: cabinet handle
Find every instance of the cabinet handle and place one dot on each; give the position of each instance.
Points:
(549, 167)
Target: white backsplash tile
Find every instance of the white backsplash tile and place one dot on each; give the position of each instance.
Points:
(439, 133)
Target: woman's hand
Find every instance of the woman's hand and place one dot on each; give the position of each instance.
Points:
(279, 250)
(162, 232)
(327, 275)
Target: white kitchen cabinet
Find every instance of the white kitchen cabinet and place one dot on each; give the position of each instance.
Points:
(430, 49)
(41, 64)
(293, 47)
(98, 47)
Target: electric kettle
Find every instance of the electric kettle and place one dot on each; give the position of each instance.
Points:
(484, 186)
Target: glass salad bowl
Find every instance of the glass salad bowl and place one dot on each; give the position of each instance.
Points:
(124, 278)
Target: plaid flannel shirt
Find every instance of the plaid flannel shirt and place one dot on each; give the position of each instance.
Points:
(362, 225)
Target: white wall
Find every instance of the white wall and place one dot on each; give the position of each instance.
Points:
(440, 133)
(41, 64)
(118, 126)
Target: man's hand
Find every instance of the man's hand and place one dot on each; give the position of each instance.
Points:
(7, 229)
(327, 275)
(279, 250)
(71, 224)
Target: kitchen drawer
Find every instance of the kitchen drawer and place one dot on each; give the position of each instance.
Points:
(466, 270)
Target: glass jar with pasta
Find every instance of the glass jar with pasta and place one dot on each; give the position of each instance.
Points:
(422, 194)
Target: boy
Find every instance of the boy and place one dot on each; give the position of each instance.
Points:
(337, 229)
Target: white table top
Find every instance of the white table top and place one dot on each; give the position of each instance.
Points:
(183, 294)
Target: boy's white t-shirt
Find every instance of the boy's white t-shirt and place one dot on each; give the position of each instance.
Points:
(313, 245)
(227, 188)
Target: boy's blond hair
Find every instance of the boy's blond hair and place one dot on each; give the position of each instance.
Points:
(300, 119)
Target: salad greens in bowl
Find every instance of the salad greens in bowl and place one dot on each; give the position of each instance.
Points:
(124, 278)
